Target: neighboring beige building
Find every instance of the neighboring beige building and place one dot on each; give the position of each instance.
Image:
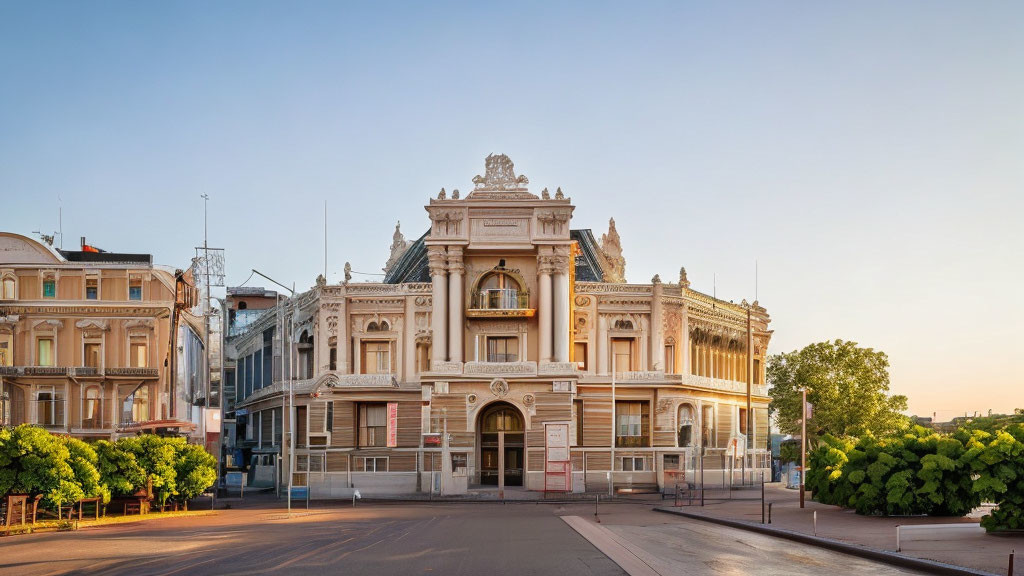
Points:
(87, 338)
(519, 336)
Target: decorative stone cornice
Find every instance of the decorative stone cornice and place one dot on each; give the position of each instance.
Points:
(93, 324)
(500, 181)
(437, 260)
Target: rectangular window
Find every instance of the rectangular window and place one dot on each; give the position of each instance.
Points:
(92, 288)
(622, 350)
(502, 349)
(743, 421)
(631, 423)
(49, 288)
(757, 371)
(6, 349)
(333, 358)
(44, 354)
(376, 357)
(707, 426)
(671, 461)
(50, 407)
(9, 284)
(93, 355)
(670, 359)
(422, 358)
(134, 288)
(375, 464)
(579, 355)
(329, 424)
(633, 464)
(139, 357)
(373, 424)
(460, 463)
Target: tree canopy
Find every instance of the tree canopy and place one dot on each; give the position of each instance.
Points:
(848, 386)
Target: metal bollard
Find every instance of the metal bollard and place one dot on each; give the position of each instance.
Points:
(597, 503)
(1009, 570)
(899, 548)
(815, 514)
(769, 512)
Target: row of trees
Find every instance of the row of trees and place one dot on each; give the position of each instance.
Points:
(924, 472)
(65, 469)
(865, 454)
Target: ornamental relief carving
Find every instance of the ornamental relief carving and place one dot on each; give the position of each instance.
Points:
(582, 301)
(497, 326)
(499, 387)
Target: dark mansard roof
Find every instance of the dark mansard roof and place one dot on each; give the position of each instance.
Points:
(413, 266)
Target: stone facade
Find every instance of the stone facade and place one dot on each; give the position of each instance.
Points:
(485, 357)
(97, 344)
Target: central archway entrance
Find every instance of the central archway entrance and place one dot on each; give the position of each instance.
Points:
(501, 445)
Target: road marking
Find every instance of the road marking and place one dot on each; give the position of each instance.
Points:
(633, 560)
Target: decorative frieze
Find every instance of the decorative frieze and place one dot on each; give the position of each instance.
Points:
(523, 368)
(556, 368)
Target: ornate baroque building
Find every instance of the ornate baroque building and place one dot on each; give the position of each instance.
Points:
(504, 348)
(97, 344)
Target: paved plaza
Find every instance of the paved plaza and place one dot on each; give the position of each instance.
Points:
(421, 538)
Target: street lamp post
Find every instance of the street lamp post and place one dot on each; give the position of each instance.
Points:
(291, 393)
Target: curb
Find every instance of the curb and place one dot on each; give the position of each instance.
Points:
(893, 558)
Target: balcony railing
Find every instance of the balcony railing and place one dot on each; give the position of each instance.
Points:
(133, 372)
(501, 299)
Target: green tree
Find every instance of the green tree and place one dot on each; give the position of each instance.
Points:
(83, 461)
(848, 386)
(33, 461)
(196, 471)
(156, 455)
(119, 468)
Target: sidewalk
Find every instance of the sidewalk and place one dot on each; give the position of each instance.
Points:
(956, 541)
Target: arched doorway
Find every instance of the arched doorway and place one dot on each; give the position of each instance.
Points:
(501, 445)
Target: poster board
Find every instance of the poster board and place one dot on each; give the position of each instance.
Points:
(557, 465)
(392, 424)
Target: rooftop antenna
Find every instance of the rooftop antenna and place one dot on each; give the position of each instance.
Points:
(60, 220)
(325, 240)
(755, 279)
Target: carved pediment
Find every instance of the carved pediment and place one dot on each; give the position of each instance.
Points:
(93, 324)
(500, 180)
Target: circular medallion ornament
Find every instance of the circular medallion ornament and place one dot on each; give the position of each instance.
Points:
(529, 399)
(499, 387)
(471, 398)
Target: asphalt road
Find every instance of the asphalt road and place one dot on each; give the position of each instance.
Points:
(462, 539)
(402, 539)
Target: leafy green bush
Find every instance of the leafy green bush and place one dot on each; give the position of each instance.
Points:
(997, 461)
(156, 455)
(920, 472)
(34, 461)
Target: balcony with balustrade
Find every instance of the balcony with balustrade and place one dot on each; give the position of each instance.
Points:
(499, 303)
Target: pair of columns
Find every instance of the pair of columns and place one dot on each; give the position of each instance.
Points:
(447, 273)
(553, 307)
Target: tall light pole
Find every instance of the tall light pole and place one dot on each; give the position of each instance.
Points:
(291, 393)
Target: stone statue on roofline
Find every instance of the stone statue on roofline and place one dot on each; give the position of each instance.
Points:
(398, 247)
(348, 272)
(611, 249)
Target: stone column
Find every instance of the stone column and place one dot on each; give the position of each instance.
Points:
(684, 338)
(560, 282)
(344, 340)
(657, 324)
(439, 280)
(602, 346)
(456, 314)
(544, 308)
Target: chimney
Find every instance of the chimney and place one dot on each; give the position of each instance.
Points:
(83, 241)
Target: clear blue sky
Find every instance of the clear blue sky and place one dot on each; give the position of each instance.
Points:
(869, 155)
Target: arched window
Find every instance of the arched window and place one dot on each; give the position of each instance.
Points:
(686, 422)
(623, 324)
(502, 419)
(8, 287)
(305, 349)
(383, 326)
(500, 290)
(242, 305)
(92, 408)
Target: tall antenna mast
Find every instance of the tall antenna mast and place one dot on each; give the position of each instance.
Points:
(60, 221)
(325, 240)
(755, 279)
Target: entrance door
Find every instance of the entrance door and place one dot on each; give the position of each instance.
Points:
(501, 434)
